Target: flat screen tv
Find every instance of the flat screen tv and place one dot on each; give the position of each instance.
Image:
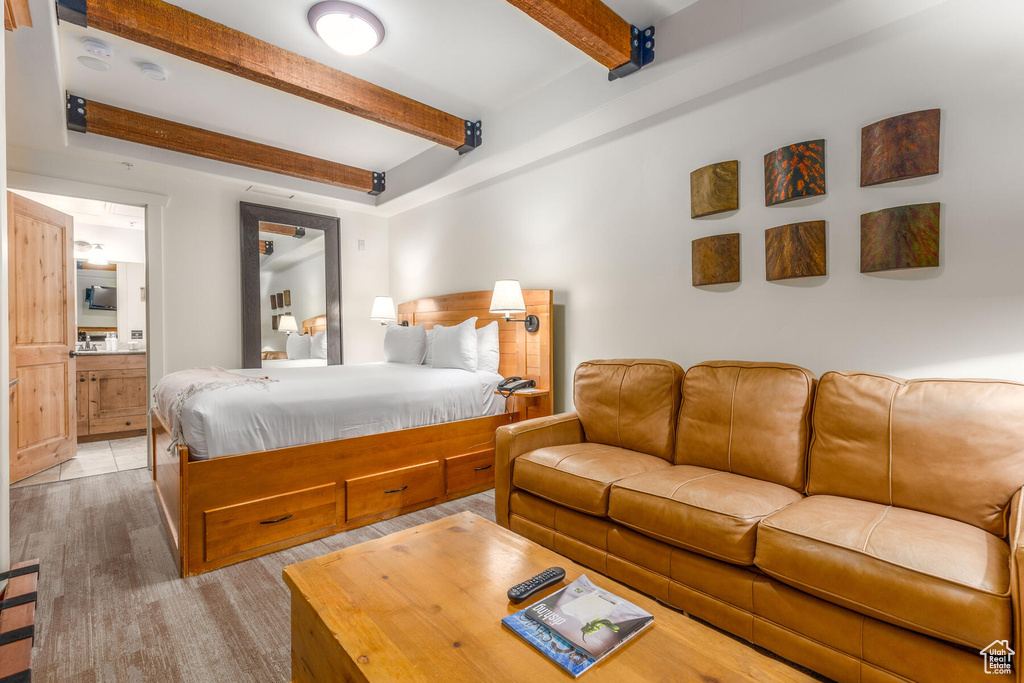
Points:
(101, 298)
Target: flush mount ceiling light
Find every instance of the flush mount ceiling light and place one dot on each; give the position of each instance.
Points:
(345, 27)
(153, 71)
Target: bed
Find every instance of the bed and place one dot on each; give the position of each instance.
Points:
(280, 359)
(221, 506)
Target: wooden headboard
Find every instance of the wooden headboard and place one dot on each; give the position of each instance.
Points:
(523, 354)
(313, 325)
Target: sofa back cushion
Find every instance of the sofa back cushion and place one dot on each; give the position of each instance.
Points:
(953, 448)
(630, 404)
(747, 418)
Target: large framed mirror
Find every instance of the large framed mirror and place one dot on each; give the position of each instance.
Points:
(291, 287)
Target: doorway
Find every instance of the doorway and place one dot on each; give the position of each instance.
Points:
(103, 304)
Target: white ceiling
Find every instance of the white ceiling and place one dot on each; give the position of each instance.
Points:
(477, 59)
(93, 212)
(290, 250)
(466, 57)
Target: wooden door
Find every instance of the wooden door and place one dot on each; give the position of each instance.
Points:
(42, 335)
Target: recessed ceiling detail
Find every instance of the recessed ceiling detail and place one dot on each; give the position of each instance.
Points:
(102, 119)
(347, 28)
(176, 31)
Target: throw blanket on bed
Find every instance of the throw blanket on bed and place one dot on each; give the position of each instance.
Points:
(175, 389)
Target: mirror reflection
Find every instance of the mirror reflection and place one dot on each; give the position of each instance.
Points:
(293, 296)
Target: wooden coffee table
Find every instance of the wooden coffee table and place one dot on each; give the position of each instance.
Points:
(426, 604)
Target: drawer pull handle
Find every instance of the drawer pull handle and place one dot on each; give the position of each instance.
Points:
(481, 469)
(398, 490)
(275, 521)
(127, 424)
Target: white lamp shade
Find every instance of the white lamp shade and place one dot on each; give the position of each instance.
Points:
(507, 297)
(383, 309)
(287, 323)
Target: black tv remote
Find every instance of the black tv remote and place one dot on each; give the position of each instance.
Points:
(546, 578)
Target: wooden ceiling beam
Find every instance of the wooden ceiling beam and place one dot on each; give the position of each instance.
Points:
(279, 229)
(86, 116)
(16, 14)
(176, 31)
(594, 28)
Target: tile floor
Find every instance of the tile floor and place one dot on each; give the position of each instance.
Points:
(96, 457)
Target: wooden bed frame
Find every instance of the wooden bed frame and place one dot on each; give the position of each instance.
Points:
(313, 325)
(226, 510)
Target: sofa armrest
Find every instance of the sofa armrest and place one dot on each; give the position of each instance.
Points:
(514, 440)
(1016, 541)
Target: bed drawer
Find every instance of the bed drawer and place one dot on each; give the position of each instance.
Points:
(244, 526)
(394, 489)
(463, 472)
(106, 425)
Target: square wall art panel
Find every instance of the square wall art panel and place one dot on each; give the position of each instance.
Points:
(716, 259)
(714, 189)
(902, 147)
(900, 237)
(794, 250)
(794, 172)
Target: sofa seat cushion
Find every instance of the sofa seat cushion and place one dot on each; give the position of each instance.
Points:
(930, 574)
(704, 510)
(579, 475)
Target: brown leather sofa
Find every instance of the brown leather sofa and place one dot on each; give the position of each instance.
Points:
(875, 537)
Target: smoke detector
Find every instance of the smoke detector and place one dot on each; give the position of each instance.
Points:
(97, 48)
(153, 71)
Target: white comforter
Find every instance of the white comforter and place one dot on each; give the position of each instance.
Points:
(311, 405)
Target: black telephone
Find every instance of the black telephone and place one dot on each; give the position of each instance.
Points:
(513, 384)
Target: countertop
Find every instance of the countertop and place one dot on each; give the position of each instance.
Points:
(124, 352)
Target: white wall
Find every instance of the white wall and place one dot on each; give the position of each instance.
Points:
(119, 244)
(308, 286)
(607, 225)
(195, 258)
(131, 306)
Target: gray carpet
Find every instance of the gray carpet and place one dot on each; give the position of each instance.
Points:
(112, 608)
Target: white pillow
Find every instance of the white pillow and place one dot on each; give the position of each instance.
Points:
(405, 344)
(488, 353)
(318, 346)
(429, 356)
(298, 346)
(454, 347)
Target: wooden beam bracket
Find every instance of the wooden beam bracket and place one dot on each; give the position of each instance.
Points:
(73, 11)
(379, 183)
(76, 113)
(474, 137)
(641, 53)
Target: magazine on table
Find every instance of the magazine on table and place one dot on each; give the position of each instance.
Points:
(578, 625)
